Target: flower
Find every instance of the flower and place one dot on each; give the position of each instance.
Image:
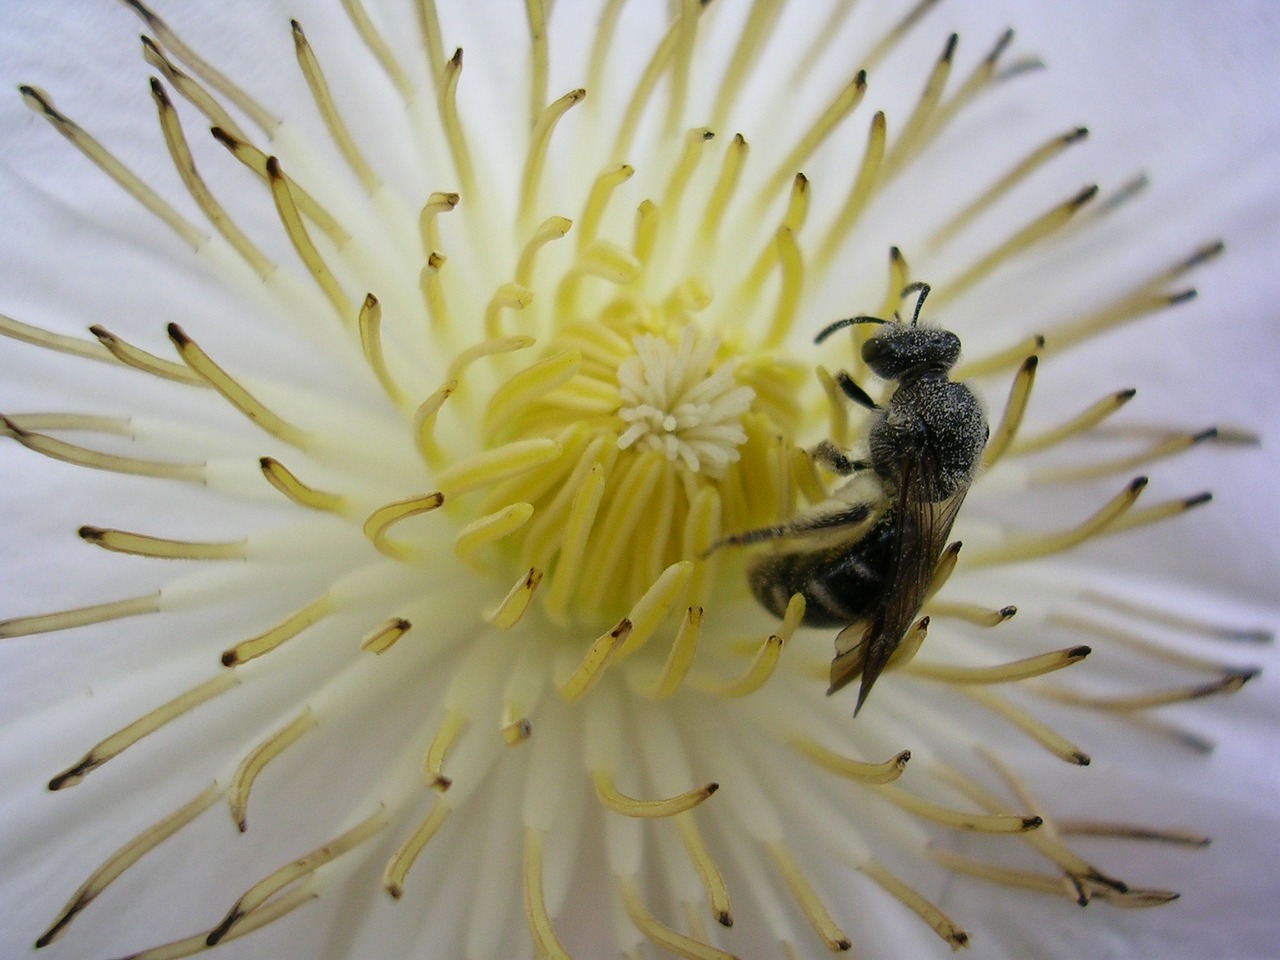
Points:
(451, 471)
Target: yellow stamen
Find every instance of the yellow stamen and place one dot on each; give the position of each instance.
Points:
(1000, 359)
(862, 771)
(486, 348)
(131, 733)
(370, 325)
(84, 457)
(1080, 423)
(514, 397)
(1011, 419)
(383, 637)
(971, 613)
(256, 761)
(807, 898)
(403, 859)
(296, 231)
(652, 608)
(79, 616)
(546, 943)
(539, 141)
(708, 872)
(752, 679)
(722, 190)
(189, 88)
(428, 218)
(432, 39)
(328, 110)
(288, 628)
(994, 873)
(491, 528)
(1141, 701)
(445, 739)
(913, 132)
(1003, 673)
(121, 541)
(494, 465)
(447, 102)
(382, 519)
(660, 935)
(180, 153)
(40, 102)
(643, 90)
(127, 856)
(424, 421)
(613, 799)
(913, 900)
(1031, 546)
(1180, 837)
(1055, 743)
(860, 192)
(140, 359)
(791, 288)
(378, 47)
(1166, 447)
(843, 104)
(75, 346)
(508, 613)
(598, 657)
(573, 545)
(598, 200)
(679, 660)
(301, 494)
(240, 398)
(958, 819)
(508, 296)
(536, 16)
(553, 228)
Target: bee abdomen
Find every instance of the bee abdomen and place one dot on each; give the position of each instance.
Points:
(839, 584)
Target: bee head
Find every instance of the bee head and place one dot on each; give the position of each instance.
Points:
(901, 352)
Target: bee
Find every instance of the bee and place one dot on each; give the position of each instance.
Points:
(864, 558)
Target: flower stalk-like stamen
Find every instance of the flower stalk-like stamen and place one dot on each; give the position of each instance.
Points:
(256, 760)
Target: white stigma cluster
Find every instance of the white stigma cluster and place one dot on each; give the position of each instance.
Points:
(673, 401)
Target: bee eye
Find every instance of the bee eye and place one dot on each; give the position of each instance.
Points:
(872, 350)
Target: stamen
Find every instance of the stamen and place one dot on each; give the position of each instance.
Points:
(140, 359)
(539, 141)
(296, 230)
(288, 628)
(679, 660)
(807, 898)
(899, 275)
(545, 941)
(304, 496)
(1082, 422)
(792, 219)
(1180, 837)
(190, 89)
(536, 15)
(1001, 359)
(660, 935)
(432, 39)
(860, 191)
(85, 422)
(338, 131)
(370, 324)
(708, 872)
(240, 398)
(491, 528)
(486, 348)
(523, 389)
(598, 657)
(378, 47)
(861, 771)
(84, 457)
(79, 616)
(202, 68)
(1056, 744)
(1040, 228)
(451, 728)
(266, 888)
(792, 288)
(752, 679)
(598, 199)
(746, 53)
(256, 761)
(1141, 701)
(1167, 447)
(424, 422)
(899, 30)
(508, 613)
(131, 733)
(958, 819)
(141, 545)
(722, 190)
(382, 519)
(381, 638)
(1160, 615)
(61, 343)
(127, 856)
(972, 613)
(39, 101)
(447, 101)
(403, 859)
(686, 22)
(491, 466)
(1011, 419)
(256, 160)
(994, 873)
(1031, 546)
(1003, 673)
(643, 90)
(913, 131)
(942, 573)
(652, 608)
(1133, 641)
(180, 153)
(1020, 171)
(573, 544)
(913, 900)
(429, 218)
(553, 228)
(611, 798)
(844, 103)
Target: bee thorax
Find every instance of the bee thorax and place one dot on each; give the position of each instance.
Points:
(931, 419)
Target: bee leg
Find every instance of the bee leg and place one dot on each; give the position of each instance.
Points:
(854, 392)
(802, 526)
(829, 455)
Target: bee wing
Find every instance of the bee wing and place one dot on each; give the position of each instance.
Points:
(920, 535)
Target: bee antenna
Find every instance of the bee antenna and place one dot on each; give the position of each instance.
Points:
(846, 322)
(924, 289)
